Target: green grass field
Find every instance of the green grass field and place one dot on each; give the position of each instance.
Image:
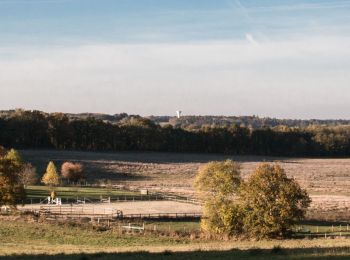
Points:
(41, 192)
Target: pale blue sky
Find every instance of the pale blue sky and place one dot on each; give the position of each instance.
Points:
(274, 58)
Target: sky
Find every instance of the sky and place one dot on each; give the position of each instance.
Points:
(271, 58)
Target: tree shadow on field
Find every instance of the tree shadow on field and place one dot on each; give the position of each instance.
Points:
(275, 253)
(142, 157)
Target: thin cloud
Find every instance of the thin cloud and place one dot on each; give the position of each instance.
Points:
(301, 6)
(158, 78)
(250, 38)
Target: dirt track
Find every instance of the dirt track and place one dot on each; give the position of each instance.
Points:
(144, 207)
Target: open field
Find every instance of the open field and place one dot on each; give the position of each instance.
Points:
(327, 180)
(162, 170)
(85, 241)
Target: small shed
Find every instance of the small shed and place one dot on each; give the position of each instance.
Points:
(144, 192)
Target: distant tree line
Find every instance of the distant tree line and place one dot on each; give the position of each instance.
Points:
(35, 129)
(197, 122)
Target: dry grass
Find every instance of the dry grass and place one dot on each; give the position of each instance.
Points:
(52, 239)
(327, 180)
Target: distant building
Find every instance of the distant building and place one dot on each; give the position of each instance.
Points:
(178, 113)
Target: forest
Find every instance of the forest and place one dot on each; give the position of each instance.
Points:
(39, 130)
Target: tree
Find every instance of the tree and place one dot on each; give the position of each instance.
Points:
(27, 176)
(11, 191)
(2, 151)
(217, 184)
(15, 158)
(72, 171)
(50, 177)
(218, 178)
(271, 202)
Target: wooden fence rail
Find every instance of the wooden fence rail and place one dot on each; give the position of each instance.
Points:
(57, 212)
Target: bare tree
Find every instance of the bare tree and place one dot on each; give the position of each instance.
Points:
(28, 175)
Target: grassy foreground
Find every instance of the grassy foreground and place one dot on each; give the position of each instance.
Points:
(20, 239)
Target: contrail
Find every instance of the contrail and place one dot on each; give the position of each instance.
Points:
(237, 5)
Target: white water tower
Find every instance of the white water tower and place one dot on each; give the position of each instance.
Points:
(178, 113)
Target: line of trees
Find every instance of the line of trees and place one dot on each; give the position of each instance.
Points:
(35, 129)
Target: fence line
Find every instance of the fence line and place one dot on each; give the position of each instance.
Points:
(126, 198)
(63, 212)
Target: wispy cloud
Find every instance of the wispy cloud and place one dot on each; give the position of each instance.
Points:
(286, 6)
(240, 78)
(250, 38)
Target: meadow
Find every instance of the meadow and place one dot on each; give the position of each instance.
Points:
(325, 234)
(71, 241)
(326, 180)
(41, 192)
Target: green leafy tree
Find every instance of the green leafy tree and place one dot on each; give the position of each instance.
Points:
(271, 202)
(217, 184)
(51, 177)
(11, 190)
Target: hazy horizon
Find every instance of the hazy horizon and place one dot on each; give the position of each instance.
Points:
(278, 59)
(173, 115)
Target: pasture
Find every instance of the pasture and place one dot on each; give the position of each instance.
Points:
(171, 171)
(327, 180)
(41, 192)
(73, 241)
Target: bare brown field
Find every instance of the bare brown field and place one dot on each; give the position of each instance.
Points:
(327, 180)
